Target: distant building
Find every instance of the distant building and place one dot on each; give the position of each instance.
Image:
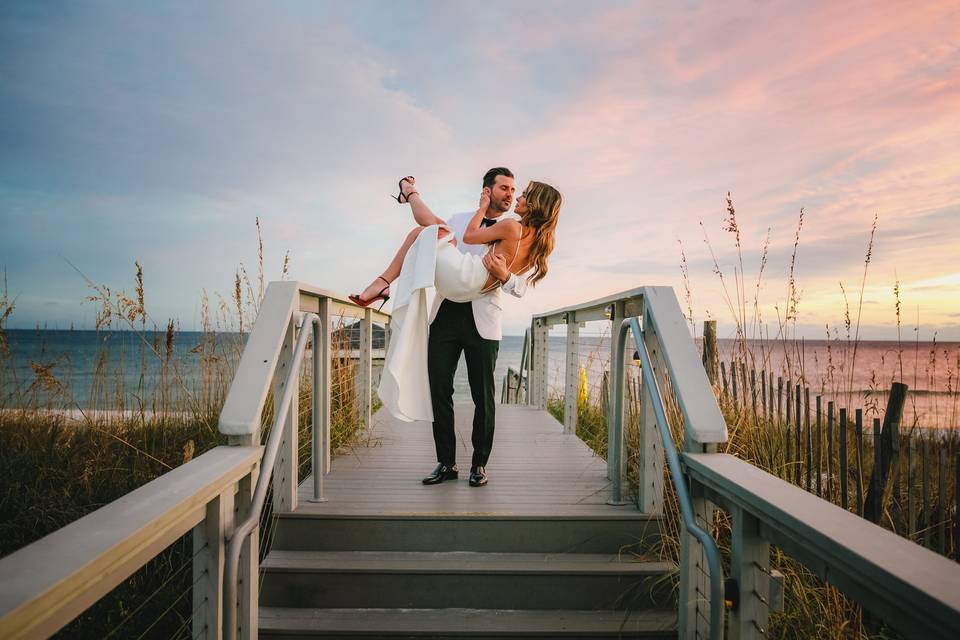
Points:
(351, 332)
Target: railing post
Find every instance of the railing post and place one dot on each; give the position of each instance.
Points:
(572, 386)
(366, 366)
(615, 416)
(285, 472)
(323, 388)
(209, 552)
(523, 375)
(750, 568)
(694, 598)
(616, 386)
(539, 354)
(650, 495)
(248, 578)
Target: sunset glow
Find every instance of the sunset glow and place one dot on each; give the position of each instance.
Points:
(158, 134)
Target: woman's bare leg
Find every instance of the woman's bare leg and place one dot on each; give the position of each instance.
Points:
(421, 212)
(393, 269)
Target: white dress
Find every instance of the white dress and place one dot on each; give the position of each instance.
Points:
(431, 263)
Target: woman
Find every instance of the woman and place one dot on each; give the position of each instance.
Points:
(428, 259)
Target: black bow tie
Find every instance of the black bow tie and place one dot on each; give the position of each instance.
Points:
(487, 222)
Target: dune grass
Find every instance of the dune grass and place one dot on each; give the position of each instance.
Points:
(62, 457)
(812, 609)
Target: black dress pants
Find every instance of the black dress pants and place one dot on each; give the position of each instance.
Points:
(453, 332)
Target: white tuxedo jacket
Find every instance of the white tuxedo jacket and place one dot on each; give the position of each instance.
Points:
(487, 310)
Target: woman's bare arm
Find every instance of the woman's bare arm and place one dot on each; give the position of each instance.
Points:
(503, 230)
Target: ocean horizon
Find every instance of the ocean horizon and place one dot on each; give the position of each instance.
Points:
(74, 356)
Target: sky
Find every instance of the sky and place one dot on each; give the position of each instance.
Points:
(159, 132)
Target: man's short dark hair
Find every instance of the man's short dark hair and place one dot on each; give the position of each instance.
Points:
(491, 176)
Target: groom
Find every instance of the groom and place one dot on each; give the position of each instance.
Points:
(471, 328)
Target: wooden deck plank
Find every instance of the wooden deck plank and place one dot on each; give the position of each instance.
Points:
(534, 470)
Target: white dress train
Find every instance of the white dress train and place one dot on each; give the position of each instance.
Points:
(432, 262)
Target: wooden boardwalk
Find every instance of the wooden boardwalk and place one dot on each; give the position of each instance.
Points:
(534, 470)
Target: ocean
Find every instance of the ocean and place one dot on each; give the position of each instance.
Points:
(72, 357)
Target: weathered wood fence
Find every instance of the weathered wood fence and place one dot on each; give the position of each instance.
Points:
(908, 482)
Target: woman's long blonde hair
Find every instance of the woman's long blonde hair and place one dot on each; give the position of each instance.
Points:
(543, 209)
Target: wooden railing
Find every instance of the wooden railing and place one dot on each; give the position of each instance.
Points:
(911, 588)
(50, 582)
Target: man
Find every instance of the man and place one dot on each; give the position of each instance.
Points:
(471, 328)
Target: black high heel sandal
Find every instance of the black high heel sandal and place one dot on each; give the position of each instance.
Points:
(404, 198)
(360, 302)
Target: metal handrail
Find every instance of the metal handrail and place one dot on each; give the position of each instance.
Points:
(242, 531)
(673, 460)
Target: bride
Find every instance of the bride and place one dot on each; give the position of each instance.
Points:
(428, 259)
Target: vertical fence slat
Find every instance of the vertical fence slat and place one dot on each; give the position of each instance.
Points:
(843, 457)
(874, 496)
(942, 500)
(779, 398)
(819, 445)
(956, 509)
(763, 393)
(796, 473)
(771, 395)
(911, 492)
(723, 379)
(925, 494)
(733, 381)
(806, 420)
(830, 450)
(753, 392)
(859, 434)
(788, 440)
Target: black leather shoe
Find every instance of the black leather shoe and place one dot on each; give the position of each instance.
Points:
(478, 477)
(441, 473)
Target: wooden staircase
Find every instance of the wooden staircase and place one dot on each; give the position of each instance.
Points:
(539, 555)
(464, 576)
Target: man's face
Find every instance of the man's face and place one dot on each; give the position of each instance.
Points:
(501, 194)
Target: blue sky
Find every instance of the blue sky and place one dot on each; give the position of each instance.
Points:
(158, 132)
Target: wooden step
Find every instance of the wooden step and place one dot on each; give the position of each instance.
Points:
(619, 533)
(277, 623)
(390, 579)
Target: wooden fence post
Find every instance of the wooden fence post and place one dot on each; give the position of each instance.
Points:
(889, 444)
(710, 350)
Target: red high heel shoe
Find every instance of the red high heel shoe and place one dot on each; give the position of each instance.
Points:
(360, 302)
(403, 197)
